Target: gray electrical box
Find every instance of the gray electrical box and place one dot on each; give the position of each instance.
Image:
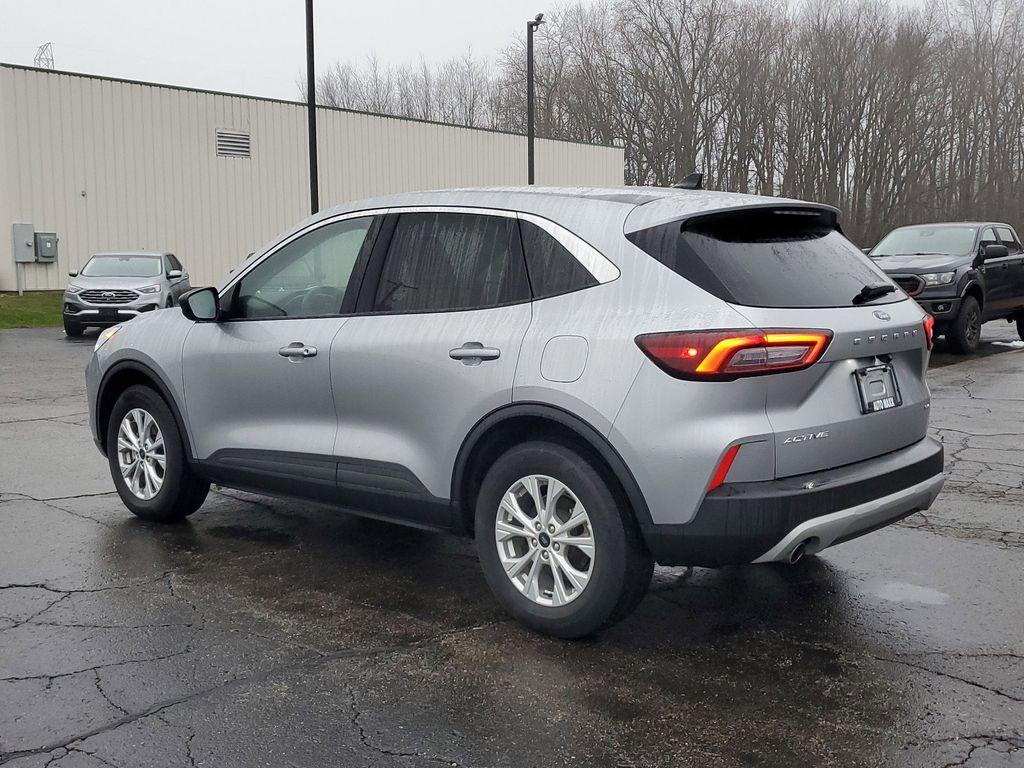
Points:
(46, 246)
(23, 243)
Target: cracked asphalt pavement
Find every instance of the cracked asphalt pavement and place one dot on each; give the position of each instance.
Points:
(278, 633)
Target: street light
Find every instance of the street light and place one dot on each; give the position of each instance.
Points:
(530, 27)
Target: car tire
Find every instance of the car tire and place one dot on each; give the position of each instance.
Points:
(72, 329)
(170, 302)
(619, 570)
(1020, 326)
(964, 332)
(163, 496)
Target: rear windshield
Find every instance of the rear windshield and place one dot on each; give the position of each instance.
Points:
(123, 266)
(766, 258)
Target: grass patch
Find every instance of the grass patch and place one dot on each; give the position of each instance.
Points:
(35, 309)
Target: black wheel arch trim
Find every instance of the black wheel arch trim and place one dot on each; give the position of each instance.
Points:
(972, 286)
(161, 386)
(584, 430)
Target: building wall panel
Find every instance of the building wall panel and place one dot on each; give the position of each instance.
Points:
(114, 165)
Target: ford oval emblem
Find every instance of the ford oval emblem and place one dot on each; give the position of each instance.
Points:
(882, 315)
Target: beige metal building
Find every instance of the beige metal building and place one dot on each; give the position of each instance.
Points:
(112, 164)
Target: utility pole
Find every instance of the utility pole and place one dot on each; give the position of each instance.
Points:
(314, 184)
(530, 27)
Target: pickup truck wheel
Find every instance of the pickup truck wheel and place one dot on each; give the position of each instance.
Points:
(559, 550)
(964, 332)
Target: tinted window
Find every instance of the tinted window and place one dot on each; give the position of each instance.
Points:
(307, 277)
(450, 261)
(955, 241)
(175, 264)
(123, 266)
(766, 258)
(1007, 236)
(553, 270)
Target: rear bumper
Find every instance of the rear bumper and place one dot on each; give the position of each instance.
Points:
(766, 521)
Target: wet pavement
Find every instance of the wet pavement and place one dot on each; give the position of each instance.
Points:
(279, 633)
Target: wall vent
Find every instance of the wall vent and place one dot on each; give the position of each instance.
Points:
(233, 143)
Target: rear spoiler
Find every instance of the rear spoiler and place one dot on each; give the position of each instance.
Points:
(686, 204)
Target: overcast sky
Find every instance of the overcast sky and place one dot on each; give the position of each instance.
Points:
(250, 46)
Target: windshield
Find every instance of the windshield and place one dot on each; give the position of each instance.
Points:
(123, 266)
(954, 241)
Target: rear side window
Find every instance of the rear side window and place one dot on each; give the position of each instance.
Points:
(451, 261)
(1009, 239)
(553, 270)
(766, 258)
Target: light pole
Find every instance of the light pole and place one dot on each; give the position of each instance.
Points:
(314, 185)
(530, 27)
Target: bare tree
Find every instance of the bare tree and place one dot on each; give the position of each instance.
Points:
(895, 114)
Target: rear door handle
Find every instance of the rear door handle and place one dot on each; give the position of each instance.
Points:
(297, 349)
(474, 351)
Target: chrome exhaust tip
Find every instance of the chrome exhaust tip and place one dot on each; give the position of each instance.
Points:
(797, 553)
(805, 547)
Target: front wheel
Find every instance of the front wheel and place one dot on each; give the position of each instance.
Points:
(964, 332)
(559, 550)
(148, 461)
(72, 329)
(1020, 326)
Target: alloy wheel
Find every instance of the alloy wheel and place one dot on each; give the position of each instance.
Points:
(141, 455)
(545, 540)
(973, 326)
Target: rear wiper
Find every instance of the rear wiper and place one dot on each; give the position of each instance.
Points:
(872, 292)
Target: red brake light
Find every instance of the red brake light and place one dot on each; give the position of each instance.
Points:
(729, 354)
(929, 329)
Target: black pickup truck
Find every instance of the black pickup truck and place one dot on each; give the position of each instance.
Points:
(963, 273)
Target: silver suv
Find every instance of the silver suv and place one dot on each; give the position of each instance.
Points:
(588, 381)
(117, 286)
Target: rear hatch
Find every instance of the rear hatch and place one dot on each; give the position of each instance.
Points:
(791, 268)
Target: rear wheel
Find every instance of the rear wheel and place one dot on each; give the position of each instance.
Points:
(148, 461)
(72, 329)
(1020, 326)
(964, 333)
(558, 549)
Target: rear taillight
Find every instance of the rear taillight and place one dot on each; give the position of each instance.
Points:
(727, 355)
(929, 329)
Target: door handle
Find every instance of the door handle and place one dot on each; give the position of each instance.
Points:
(297, 349)
(472, 352)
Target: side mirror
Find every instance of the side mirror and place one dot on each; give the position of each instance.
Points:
(201, 305)
(72, 274)
(174, 274)
(995, 252)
